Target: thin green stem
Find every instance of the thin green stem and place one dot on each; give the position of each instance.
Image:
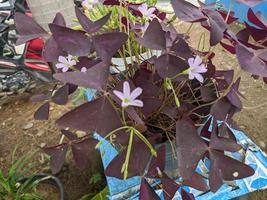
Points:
(127, 158)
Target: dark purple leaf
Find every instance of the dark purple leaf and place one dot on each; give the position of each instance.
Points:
(169, 187)
(154, 37)
(222, 108)
(61, 95)
(86, 62)
(257, 34)
(95, 77)
(57, 156)
(243, 35)
(187, 195)
(205, 129)
(147, 192)
(69, 134)
(188, 138)
(157, 163)
(250, 62)
(255, 20)
(43, 112)
(73, 42)
(59, 20)
(151, 104)
(207, 94)
(233, 94)
(88, 25)
(169, 66)
(226, 168)
(107, 44)
(97, 115)
(181, 48)
(27, 28)
(221, 143)
(81, 151)
(52, 51)
(217, 26)
(196, 181)
(139, 160)
(186, 11)
(171, 112)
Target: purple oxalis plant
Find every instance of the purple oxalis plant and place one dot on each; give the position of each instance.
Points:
(154, 101)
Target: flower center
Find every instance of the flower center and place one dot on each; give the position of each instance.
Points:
(126, 100)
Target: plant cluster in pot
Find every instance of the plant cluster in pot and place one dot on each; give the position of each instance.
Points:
(161, 99)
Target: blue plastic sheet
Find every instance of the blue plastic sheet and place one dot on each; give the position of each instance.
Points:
(253, 156)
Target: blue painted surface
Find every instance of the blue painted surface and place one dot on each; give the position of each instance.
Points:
(241, 9)
(255, 157)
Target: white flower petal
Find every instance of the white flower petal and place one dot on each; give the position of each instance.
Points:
(119, 94)
(62, 59)
(84, 69)
(199, 77)
(126, 89)
(191, 62)
(137, 103)
(150, 11)
(200, 69)
(191, 75)
(136, 93)
(197, 60)
(60, 65)
(72, 63)
(65, 69)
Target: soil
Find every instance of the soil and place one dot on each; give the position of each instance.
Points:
(17, 114)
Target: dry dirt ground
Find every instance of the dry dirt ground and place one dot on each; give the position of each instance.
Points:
(17, 114)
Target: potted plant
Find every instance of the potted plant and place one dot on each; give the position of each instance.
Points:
(179, 97)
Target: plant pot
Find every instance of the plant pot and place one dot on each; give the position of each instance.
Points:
(44, 11)
(253, 156)
(119, 62)
(52, 180)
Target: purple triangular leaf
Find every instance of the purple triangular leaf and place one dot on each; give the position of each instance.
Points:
(98, 115)
(57, 156)
(223, 108)
(250, 62)
(88, 25)
(59, 20)
(207, 94)
(95, 77)
(169, 66)
(147, 192)
(73, 42)
(43, 112)
(221, 143)
(169, 187)
(27, 28)
(82, 150)
(186, 11)
(154, 37)
(255, 20)
(187, 195)
(61, 95)
(233, 94)
(107, 44)
(226, 168)
(196, 181)
(52, 50)
(188, 138)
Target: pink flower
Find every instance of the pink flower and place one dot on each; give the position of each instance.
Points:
(146, 12)
(89, 3)
(128, 98)
(196, 68)
(65, 63)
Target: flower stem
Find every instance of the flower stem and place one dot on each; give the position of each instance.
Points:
(127, 158)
